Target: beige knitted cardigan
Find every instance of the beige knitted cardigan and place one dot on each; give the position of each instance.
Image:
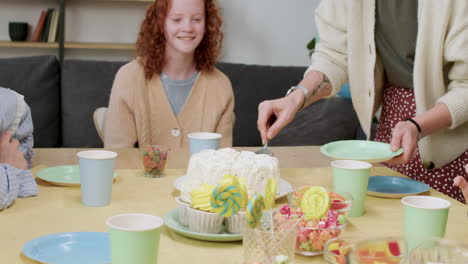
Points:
(139, 112)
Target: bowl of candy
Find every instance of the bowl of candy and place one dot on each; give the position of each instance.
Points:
(154, 160)
(324, 216)
(386, 250)
(336, 249)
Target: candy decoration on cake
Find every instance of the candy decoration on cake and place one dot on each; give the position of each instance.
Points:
(200, 198)
(244, 193)
(270, 193)
(315, 203)
(254, 210)
(226, 199)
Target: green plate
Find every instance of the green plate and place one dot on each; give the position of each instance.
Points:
(67, 175)
(171, 220)
(363, 150)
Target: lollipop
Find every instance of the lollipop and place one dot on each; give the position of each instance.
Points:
(315, 203)
(240, 182)
(254, 210)
(245, 197)
(226, 199)
(270, 193)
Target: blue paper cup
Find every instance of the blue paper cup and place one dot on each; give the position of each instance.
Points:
(203, 140)
(96, 175)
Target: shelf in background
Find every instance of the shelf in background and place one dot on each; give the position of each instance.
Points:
(68, 45)
(29, 44)
(128, 1)
(91, 45)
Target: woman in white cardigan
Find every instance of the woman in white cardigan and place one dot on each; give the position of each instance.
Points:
(409, 57)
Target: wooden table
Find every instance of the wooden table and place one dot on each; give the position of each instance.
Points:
(58, 209)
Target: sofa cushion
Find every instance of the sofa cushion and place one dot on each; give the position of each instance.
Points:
(324, 121)
(86, 85)
(252, 84)
(37, 78)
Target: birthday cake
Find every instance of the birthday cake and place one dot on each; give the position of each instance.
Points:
(209, 167)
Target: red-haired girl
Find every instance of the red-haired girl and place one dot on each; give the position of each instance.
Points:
(172, 88)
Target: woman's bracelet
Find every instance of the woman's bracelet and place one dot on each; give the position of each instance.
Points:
(417, 126)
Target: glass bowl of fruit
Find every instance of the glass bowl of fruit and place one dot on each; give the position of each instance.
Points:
(324, 216)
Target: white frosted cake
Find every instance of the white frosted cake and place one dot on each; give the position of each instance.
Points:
(209, 166)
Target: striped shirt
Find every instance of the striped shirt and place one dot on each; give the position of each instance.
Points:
(15, 116)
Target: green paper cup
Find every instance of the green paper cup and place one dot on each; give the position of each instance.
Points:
(424, 217)
(352, 176)
(134, 238)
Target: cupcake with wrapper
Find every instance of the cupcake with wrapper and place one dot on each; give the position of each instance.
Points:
(207, 205)
(202, 217)
(235, 223)
(324, 218)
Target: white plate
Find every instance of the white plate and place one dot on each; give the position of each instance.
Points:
(284, 187)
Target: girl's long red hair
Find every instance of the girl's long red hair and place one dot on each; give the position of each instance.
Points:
(151, 42)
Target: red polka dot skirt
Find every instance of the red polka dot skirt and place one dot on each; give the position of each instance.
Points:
(399, 105)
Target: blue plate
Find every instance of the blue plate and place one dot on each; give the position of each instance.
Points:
(394, 187)
(70, 248)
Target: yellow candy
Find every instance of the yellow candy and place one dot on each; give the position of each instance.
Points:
(254, 210)
(315, 203)
(270, 193)
(334, 246)
(201, 198)
(226, 199)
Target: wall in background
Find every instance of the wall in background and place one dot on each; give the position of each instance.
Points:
(269, 32)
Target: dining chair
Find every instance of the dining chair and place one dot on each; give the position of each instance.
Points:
(99, 118)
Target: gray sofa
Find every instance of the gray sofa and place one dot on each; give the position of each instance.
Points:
(63, 98)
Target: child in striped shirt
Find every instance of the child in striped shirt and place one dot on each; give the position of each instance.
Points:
(16, 142)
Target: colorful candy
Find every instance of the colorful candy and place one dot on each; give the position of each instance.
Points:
(270, 193)
(255, 207)
(226, 199)
(312, 234)
(315, 203)
(154, 159)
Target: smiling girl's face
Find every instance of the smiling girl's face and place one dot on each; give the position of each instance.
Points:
(184, 27)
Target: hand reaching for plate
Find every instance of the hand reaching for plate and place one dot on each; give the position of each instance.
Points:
(461, 182)
(404, 135)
